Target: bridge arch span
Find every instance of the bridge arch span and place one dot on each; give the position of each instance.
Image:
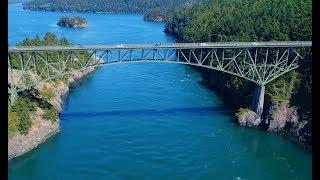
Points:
(258, 62)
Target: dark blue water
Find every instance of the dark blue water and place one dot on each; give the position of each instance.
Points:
(146, 121)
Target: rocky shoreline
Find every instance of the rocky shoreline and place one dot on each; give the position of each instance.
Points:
(42, 129)
(278, 117)
(282, 118)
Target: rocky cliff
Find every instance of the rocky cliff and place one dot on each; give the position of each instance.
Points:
(42, 128)
(280, 117)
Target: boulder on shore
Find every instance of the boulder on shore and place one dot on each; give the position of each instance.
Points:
(247, 117)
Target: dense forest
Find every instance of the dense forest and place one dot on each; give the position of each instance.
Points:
(248, 20)
(154, 9)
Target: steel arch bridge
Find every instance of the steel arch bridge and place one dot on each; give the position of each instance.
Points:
(259, 62)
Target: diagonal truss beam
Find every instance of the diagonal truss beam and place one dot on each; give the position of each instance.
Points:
(260, 63)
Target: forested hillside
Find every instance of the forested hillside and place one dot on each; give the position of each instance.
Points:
(251, 20)
(153, 8)
(243, 20)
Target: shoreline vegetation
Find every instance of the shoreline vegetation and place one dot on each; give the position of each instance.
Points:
(34, 116)
(287, 106)
(153, 10)
(73, 22)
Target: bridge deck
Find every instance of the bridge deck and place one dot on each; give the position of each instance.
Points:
(209, 45)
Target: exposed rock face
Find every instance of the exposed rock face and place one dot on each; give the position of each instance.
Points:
(280, 114)
(281, 117)
(40, 131)
(43, 129)
(59, 90)
(249, 118)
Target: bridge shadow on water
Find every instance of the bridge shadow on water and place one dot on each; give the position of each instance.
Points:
(150, 112)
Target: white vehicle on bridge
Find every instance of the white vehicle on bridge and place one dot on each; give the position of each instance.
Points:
(203, 44)
(120, 45)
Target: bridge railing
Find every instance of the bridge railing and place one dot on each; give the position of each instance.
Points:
(206, 45)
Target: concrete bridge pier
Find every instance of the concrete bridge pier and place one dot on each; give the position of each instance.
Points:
(258, 99)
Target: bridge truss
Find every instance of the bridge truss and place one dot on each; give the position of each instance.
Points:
(259, 62)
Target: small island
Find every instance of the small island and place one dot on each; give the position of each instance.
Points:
(74, 22)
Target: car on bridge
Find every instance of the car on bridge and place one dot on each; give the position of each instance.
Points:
(203, 44)
(120, 45)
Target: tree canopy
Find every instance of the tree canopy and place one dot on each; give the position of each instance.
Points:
(243, 20)
(150, 7)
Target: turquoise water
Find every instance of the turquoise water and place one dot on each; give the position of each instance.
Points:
(146, 121)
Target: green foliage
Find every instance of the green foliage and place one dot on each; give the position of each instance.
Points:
(153, 8)
(49, 39)
(18, 115)
(72, 21)
(46, 94)
(25, 122)
(247, 20)
(244, 20)
(51, 114)
(282, 88)
(242, 111)
(23, 103)
(13, 124)
(303, 123)
(64, 41)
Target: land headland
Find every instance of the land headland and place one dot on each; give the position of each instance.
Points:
(34, 116)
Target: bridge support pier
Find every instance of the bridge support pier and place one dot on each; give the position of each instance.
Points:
(258, 99)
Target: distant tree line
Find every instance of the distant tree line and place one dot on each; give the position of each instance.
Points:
(243, 20)
(160, 7)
